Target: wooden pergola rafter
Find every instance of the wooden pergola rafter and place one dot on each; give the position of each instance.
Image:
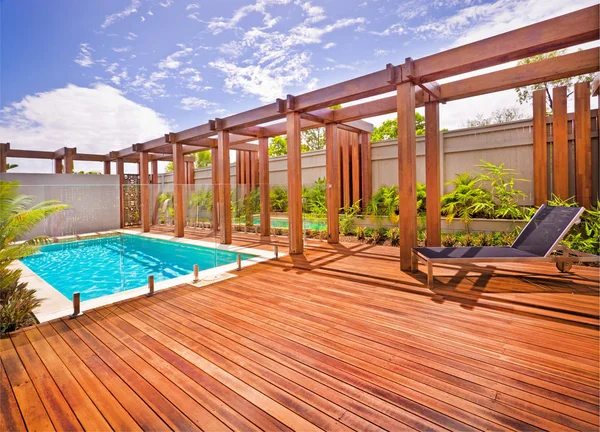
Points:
(414, 84)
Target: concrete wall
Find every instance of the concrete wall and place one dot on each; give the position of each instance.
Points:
(94, 201)
(509, 143)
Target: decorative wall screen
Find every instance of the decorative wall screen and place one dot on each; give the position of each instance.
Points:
(131, 199)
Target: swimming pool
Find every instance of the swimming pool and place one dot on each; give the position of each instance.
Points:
(316, 225)
(103, 266)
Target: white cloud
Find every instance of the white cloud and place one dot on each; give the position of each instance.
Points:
(112, 68)
(149, 86)
(314, 13)
(481, 21)
(195, 16)
(219, 24)
(329, 45)
(131, 36)
(395, 29)
(131, 9)
(173, 61)
(95, 120)
(122, 49)
(166, 3)
(84, 58)
(193, 103)
(382, 52)
(192, 6)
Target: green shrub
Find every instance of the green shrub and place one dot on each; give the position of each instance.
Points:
(394, 235)
(467, 201)
(504, 195)
(347, 222)
(360, 233)
(279, 199)
(313, 198)
(379, 235)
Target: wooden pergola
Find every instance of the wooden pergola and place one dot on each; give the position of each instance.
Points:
(415, 85)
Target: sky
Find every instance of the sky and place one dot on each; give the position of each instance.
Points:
(103, 75)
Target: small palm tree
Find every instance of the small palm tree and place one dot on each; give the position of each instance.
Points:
(17, 218)
(467, 200)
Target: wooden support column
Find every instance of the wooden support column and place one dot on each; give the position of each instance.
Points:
(355, 167)
(294, 172)
(178, 186)
(332, 169)
(253, 170)
(214, 167)
(154, 191)
(432, 173)
(106, 167)
(366, 168)
(407, 173)
(540, 149)
(144, 192)
(121, 174)
(4, 147)
(191, 172)
(560, 144)
(346, 168)
(263, 172)
(224, 187)
(58, 166)
(583, 145)
(69, 153)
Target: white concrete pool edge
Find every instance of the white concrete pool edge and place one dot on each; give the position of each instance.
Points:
(56, 305)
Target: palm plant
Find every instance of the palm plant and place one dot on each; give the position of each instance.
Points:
(279, 199)
(503, 191)
(467, 201)
(18, 217)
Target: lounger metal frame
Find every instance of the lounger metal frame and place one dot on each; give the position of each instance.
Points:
(563, 261)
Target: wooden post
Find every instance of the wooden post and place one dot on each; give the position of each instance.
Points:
(355, 167)
(344, 138)
(432, 173)
(263, 171)
(407, 173)
(191, 172)
(583, 145)
(4, 147)
(106, 167)
(540, 149)
(294, 172)
(58, 166)
(154, 195)
(121, 174)
(224, 187)
(69, 153)
(366, 168)
(178, 185)
(144, 192)
(215, 187)
(560, 143)
(332, 169)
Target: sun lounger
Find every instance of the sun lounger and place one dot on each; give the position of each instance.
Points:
(538, 242)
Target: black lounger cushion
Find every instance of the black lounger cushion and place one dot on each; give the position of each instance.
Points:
(474, 252)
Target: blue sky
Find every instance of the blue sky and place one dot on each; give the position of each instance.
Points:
(101, 75)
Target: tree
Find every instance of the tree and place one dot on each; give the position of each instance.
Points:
(501, 115)
(203, 159)
(389, 129)
(525, 94)
(278, 146)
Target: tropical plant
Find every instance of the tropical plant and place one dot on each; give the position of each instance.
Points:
(379, 235)
(360, 233)
(384, 202)
(347, 219)
(394, 235)
(467, 201)
(313, 198)
(421, 198)
(504, 194)
(18, 217)
(585, 236)
(279, 199)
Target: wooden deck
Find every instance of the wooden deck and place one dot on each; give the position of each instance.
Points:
(335, 339)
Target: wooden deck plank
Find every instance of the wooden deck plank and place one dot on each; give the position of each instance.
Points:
(10, 415)
(337, 337)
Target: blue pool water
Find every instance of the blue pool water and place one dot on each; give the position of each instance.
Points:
(103, 266)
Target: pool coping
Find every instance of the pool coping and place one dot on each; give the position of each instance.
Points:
(55, 305)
